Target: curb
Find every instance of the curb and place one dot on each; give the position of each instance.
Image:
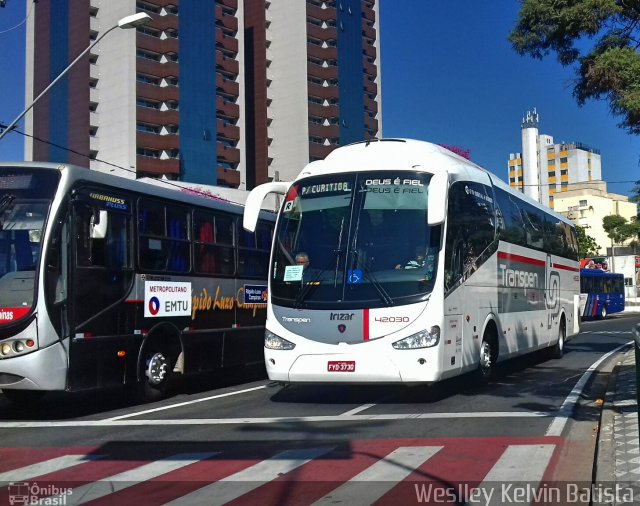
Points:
(604, 461)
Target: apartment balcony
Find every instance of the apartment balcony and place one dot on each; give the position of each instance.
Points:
(368, 32)
(225, 42)
(155, 44)
(164, 22)
(94, 95)
(226, 131)
(324, 53)
(228, 109)
(321, 14)
(155, 68)
(370, 87)
(94, 143)
(319, 151)
(228, 177)
(227, 64)
(157, 141)
(229, 22)
(316, 32)
(227, 154)
(162, 3)
(94, 119)
(229, 3)
(327, 73)
(370, 51)
(156, 167)
(370, 105)
(322, 111)
(369, 69)
(227, 86)
(328, 131)
(156, 116)
(370, 123)
(369, 14)
(153, 92)
(328, 92)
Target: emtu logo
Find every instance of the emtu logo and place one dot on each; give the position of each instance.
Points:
(154, 305)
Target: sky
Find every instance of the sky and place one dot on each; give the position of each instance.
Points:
(449, 76)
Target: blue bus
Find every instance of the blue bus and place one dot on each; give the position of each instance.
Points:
(601, 293)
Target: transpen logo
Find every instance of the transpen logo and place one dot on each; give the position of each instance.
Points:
(514, 278)
(154, 305)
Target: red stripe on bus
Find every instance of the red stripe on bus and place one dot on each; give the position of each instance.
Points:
(365, 325)
(521, 259)
(566, 267)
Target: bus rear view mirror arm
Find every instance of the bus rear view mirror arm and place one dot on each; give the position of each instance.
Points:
(255, 199)
(437, 198)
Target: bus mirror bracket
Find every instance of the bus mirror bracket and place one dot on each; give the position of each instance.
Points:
(437, 198)
(256, 197)
(99, 221)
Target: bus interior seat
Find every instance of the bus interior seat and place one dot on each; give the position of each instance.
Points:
(206, 257)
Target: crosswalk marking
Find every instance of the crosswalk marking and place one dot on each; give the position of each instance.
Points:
(381, 476)
(46, 467)
(523, 464)
(242, 482)
(126, 479)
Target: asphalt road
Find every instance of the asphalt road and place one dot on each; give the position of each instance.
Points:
(238, 428)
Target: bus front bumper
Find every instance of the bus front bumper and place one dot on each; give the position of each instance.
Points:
(43, 369)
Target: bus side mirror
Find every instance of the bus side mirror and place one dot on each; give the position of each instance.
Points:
(99, 222)
(254, 201)
(437, 198)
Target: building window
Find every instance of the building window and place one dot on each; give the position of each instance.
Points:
(564, 172)
(552, 174)
(563, 159)
(583, 203)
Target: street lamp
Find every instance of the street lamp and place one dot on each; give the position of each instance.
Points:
(133, 21)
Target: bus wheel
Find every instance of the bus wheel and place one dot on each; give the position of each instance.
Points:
(603, 312)
(488, 357)
(23, 397)
(558, 349)
(157, 371)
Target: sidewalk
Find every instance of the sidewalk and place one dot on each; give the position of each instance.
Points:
(618, 454)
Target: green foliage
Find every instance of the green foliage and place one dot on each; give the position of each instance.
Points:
(636, 193)
(609, 69)
(586, 244)
(617, 228)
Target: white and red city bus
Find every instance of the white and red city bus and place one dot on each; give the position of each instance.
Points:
(107, 281)
(421, 266)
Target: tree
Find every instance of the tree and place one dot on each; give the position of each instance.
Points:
(608, 69)
(617, 228)
(587, 245)
(636, 193)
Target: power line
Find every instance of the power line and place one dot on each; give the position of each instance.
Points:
(3, 4)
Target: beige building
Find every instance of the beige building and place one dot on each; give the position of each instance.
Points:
(586, 204)
(545, 170)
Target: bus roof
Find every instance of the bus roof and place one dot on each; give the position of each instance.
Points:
(410, 154)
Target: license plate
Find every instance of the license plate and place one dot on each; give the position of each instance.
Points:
(341, 366)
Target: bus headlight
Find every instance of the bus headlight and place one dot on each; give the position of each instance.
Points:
(422, 339)
(274, 342)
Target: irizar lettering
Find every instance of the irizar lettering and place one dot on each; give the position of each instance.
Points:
(514, 278)
(341, 316)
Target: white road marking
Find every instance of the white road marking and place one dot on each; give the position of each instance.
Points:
(46, 467)
(520, 466)
(186, 403)
(283, 419)
(564, 413)
(243, 482)
(126, 479)
(357, 410)
(375, 481)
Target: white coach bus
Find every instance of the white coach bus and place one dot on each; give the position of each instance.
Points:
(397, 261)
(107, 281)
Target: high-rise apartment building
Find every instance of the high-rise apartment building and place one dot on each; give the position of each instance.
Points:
(544, 169)
(227, 92)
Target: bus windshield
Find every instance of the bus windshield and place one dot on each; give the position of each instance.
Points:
(25, 198)
(358, 240)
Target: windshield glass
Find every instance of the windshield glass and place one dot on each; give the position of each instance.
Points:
(358, 240)
(25, 198)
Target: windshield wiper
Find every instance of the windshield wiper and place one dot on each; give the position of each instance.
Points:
(304, 292)
(386, 298)
(5, 201)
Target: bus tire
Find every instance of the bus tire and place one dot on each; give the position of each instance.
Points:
(488, 357)
(603, 312)
(557, 350)
(23, 397)
(157, 370)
